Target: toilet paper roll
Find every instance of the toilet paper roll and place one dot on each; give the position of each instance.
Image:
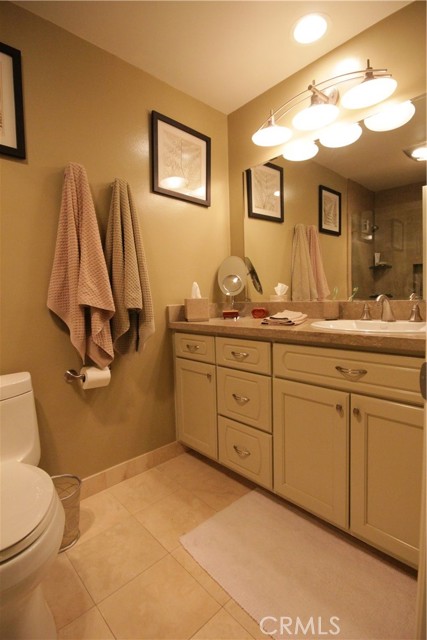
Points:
(94, 377)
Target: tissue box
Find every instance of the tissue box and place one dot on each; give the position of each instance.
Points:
(196, 309)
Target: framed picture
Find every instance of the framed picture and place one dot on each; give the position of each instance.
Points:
(180, 161)
(329, 211)
(264, 185)
(12, 138)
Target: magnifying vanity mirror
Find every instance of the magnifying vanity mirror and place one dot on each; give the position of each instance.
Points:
(232, 275)
(380, 249)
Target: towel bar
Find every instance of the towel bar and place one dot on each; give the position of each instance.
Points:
(71, 375)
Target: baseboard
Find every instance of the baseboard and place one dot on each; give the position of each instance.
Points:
(109, 477)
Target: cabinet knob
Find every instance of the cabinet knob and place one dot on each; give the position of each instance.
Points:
(356, 412)
(240, 399)
(239, 355)
(192, 348)
(241, 451)
(338, 407)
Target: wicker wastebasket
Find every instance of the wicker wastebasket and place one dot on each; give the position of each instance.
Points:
(68, 489)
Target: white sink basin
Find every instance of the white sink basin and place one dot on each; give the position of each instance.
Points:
(371, 326)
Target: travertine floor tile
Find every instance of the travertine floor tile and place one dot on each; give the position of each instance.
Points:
(90, 626)
(202, 576)
(170, 518)
(222, 627)
(245, 620)
(65, 593)
(165, 601)
(99, 512)
(142, 490)
(109, 560)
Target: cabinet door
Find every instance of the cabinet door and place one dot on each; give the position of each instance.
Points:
(196, 405)
(310, 429)
(386, 475)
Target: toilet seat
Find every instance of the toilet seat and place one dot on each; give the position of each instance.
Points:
(28, 499)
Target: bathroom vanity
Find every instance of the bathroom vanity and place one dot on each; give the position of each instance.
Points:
(332, 423)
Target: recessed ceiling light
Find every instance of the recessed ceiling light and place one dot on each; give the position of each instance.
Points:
(417, 152)
(310, 28)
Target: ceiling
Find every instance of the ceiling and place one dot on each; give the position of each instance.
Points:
(224, 53)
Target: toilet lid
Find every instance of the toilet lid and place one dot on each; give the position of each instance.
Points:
(27, 494)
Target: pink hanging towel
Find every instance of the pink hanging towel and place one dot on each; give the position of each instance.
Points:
(79, 289)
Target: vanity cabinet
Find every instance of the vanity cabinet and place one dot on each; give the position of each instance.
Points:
(195, 393)
(245, 408)
(344, 454)
(311, 435)
(386, 468)
(334, 431)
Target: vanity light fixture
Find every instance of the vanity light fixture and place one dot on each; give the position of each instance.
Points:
(300, 150)
(310, 28)
(391, 117)
(377, 85)
(418, 152)
(271, 134)
(340, 135)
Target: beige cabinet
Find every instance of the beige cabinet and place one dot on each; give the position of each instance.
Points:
(195, 393)
(386, 463)
(335, 431)
(311, 448)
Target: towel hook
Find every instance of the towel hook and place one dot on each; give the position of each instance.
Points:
(71, 375)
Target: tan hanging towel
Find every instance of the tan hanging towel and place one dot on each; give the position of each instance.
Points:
(303, 285)
(133, 322)
(317, 263)
(79, 289)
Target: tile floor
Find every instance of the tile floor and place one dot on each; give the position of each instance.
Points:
(128, 576)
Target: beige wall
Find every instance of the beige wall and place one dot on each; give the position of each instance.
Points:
(84, 105)
(397, 42)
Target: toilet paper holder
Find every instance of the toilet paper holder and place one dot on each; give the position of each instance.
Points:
(71, 375)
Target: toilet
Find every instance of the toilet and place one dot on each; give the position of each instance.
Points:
(32, 516)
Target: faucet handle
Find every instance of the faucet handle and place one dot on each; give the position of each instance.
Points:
(366, 313)
(415, 314)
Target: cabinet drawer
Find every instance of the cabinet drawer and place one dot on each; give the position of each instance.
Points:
(378, 374)
(195, 347)
(248, 355)
(246, 450)
(245, 397)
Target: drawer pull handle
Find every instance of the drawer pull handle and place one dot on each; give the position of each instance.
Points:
(243, 453)
(192, 348)
(353, 373)
(239, 355)
(240, 399)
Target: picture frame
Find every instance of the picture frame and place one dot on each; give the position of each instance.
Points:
(265, 195)
(329, 211)
(12, 136)
(180, 161)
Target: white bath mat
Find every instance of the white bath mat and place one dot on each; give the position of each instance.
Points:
(299, 578)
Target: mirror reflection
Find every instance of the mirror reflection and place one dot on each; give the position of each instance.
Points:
(381, 245)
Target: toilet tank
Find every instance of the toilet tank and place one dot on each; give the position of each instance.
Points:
(19, 434)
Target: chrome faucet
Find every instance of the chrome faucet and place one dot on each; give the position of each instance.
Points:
(386, 311)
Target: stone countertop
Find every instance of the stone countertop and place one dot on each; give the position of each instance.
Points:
(305, 333)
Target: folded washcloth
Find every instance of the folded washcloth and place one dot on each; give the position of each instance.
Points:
(286, 318)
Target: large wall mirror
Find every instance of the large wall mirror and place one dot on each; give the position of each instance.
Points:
(380, 249)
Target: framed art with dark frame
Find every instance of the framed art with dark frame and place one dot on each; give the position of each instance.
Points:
(180, 161)
(329, 211)
(12, 137)
(264, 185)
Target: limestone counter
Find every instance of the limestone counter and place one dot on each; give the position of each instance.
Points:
(250, 328)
